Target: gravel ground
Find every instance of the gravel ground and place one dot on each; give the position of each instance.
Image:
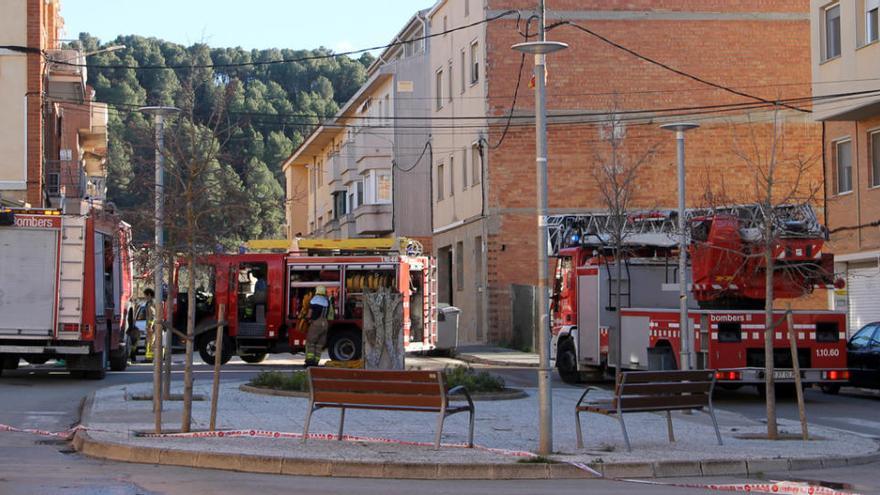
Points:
(501, 425)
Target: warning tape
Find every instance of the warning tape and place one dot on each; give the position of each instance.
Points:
(774, 487)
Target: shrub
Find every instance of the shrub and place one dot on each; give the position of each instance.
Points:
(473, 380)
(296, 381)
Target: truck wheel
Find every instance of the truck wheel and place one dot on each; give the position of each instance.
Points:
(208, 347)
(345, 345)
(37, 360)
(254, 358)
(119, 357)
(566, 362)
(9, 363)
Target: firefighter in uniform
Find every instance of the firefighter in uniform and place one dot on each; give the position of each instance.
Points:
(316, 338)
(150, 317)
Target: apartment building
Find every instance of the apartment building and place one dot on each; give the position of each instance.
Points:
(54, 140)
(484, 218)
(846, 59)
(365, 171)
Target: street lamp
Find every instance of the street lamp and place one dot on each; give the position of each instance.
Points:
(545, 413)
(112, 48)
(159, 113)
(687, 336)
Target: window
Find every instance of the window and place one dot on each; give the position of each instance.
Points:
(445, 25)
(339, 208)
(864, 338)
(359, 186)
(387, 109)
(440, 179)
(467, 8)
(320, 171)
(875, 159)
(451, 176)
(449, 79)
(383, 187)
(438, 88)
(475, 63)
(832, 31)
(463, 71)
(476, 163)
(459, 266)
(872, 21)
(464, 169)
(843, 164)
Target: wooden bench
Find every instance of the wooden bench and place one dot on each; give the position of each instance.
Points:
(653, 391)
(422, 391)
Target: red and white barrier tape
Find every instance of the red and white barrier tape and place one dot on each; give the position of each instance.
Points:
(775, 487)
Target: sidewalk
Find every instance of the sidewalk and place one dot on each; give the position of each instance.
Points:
(496, 356)
(111, 420)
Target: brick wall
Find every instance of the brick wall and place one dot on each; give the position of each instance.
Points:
(593, 77)
(35, 39)
(862, 205)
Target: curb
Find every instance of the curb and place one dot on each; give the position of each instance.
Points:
(249, 463)
(508, 394)
(468, 358)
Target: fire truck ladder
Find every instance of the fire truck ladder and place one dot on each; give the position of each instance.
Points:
(73, 251)
(659, 228)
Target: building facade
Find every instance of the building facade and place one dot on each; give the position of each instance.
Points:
(54, 140)
(846, 60)
(484, 192)
(365, 171)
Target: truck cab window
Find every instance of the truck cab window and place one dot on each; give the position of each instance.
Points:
(203, 283)
(253, 291)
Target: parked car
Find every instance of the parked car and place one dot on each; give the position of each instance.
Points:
(863, 356)
(138, 332)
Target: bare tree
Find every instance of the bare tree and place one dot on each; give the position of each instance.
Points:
(782, 178)
(616, 173)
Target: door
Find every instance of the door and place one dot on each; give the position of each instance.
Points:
(860, 348)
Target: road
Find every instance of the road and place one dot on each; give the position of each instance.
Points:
(48, 399)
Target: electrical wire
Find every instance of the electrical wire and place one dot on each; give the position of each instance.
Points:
(291, 60)
(668, 67)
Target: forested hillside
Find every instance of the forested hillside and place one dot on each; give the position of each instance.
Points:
(269, 109)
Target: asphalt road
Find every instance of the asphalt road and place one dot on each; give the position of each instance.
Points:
(48, 399)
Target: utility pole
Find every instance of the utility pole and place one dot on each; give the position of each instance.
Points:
(159, 114)
(687, 336)
(539, 49)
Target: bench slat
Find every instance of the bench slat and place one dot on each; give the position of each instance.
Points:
(661, 401)
(668, 376)
(377, 375)
(377, 386)
(665, 388)
(427, 401)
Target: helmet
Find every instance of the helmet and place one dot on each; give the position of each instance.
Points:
(321, 290)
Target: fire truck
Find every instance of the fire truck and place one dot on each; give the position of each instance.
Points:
(266, 294)
(65, 284)
(726, 276)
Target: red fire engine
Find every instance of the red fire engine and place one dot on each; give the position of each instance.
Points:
(725, 316)
(65, 282)
(266, 296)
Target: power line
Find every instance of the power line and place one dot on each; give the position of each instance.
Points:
(668, 67)
(291, 60)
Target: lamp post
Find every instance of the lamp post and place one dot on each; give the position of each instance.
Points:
(687, 337)
(545, 413)
(159, 114)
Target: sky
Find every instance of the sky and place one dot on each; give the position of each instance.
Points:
(298, 24)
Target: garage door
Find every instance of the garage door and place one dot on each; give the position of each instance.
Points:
(863, 285)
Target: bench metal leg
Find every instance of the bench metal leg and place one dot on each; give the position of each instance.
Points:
(439, 433)
(341, 423)
(625, 436)
(577, 426)
(308, 420)
(715, 424)
(669, 426)
(471, 428)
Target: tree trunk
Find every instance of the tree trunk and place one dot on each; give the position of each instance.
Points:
(618, 352)
(770, 327)
(186, 421)
(799, 390)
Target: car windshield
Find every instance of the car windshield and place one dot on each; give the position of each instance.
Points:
(865, 337)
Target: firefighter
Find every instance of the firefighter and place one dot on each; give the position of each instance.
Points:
(317, 336)
(150, 316)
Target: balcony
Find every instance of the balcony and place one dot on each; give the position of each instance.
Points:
(371, 143)
(335, 164)
(67, 79)
(65, 179)
(373, 220)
